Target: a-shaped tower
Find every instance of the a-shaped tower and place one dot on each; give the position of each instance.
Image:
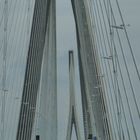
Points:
(73, 118)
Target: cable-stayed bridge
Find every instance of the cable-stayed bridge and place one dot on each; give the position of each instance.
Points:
(108, 69)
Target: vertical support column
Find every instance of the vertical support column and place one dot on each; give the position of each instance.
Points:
(47, 120)
(92, 98)
(33, 69)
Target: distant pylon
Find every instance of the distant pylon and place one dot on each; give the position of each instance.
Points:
(73, 118)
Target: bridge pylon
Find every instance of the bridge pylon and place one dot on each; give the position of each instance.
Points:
(73, 117)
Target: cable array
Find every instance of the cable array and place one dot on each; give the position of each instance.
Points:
(90, 73)
(4, 70)
(15, 63)
(116, 75)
